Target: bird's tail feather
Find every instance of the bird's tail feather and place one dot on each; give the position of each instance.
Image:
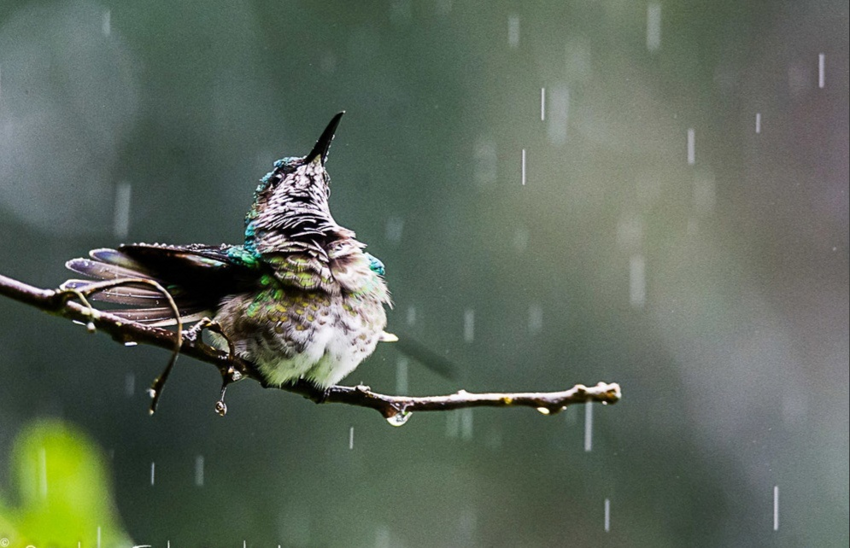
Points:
(153, 305)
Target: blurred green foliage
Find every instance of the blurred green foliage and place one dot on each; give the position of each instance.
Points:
(63, 492)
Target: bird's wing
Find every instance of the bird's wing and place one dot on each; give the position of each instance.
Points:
(196, 276)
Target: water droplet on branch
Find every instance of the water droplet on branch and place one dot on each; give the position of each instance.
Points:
(400, 418)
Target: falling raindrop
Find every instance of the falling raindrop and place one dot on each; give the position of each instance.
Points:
(467, 527)
(821, 70)
(637, 284)
(469, 325)
(121, 224)
(776, 508)
(758, 122)
(513, 30)
(395, 226)
(401, 375)
(400, 418)
(199, 471)
(351, 438)
(542, 104)
(466, 424)
(653, 26)
(691, 147)
(523, 167)
(485, 160)
(535, 318)
(130, 383)
(588, 427)
(559, 107)
(153, 473)
(382, 537)
(106, 23)
(411, 315)
(607, 515)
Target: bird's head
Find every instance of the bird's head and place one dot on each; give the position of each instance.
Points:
(291, 201)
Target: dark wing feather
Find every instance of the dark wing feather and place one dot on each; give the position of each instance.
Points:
(131, 294)
(160, 316)
(104, 271)
(196, 276)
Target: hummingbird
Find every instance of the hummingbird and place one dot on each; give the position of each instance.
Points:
(300, 298)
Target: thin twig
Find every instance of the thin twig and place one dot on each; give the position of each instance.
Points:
(395, 408)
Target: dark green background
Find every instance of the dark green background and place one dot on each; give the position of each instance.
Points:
(734, 370)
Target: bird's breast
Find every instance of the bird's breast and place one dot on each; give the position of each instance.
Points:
(293, 335)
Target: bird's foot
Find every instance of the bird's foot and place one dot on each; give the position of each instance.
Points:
(312, 391)
(194, 333)
(325, 393)
(231, 373)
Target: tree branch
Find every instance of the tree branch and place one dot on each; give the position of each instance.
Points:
(396, 409)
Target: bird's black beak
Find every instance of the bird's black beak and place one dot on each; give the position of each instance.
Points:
(320, 150)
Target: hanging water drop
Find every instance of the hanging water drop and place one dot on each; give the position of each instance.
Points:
(400, 418)
(221, 408)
